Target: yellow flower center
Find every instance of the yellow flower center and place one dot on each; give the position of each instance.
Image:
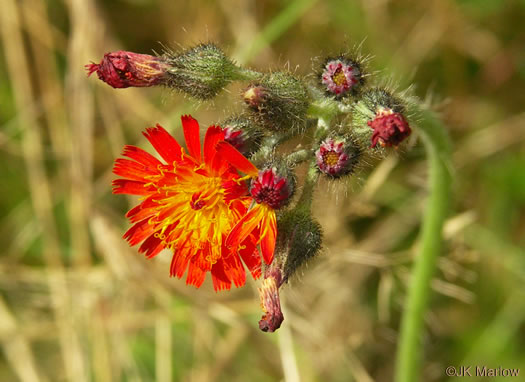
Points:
(339, 77)
(331, 158)
(192, 215)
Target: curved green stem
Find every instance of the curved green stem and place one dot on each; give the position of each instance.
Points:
(408, 362)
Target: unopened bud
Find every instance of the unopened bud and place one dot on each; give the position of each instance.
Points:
(279, 101)
(379, 118)
(274, 186)
(337, 156)
(243, 133)
(127, 69)
(390, 128)
(298, 240)
(201, 71)
(342, 76)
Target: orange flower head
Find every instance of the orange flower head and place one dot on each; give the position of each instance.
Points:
(189, 205)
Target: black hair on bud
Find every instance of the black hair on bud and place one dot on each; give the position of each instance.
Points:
(279, 101)
(201, 71)
(298, 240)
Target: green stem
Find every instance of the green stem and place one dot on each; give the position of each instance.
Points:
(305, 201)
(297, 157)
(267, 147)
(245, 74)
(408, 362)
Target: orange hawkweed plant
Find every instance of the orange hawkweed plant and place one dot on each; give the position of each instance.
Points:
(230, 205)
(190, 202)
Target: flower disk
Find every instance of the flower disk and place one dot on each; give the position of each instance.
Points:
(189, 205)
(340, 77)
(331, 158)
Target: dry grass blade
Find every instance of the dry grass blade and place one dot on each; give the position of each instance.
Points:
(16, 347)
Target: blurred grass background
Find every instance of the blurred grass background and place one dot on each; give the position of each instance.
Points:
(76, 304)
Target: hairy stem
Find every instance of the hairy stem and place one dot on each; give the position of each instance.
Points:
(305, 201)
(409, 352)
(245, 74)
(297, 157)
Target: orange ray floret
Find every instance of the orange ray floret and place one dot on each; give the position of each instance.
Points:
(270, 191)
(190, 202)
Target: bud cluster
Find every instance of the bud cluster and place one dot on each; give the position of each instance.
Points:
(337, 119)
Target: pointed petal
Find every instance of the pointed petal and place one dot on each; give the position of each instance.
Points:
(130, 169)
(214, 134)
(191, 135)
(244, 227)
(179, 263)
(196, 275)
(219, 165)
(131, 187)
(139, 232)
(141, 156)
(235, 270)
(269, 229)
(219, 277)
(151, 247)
(250, 256)
(236, 159)
(144, 210)
(167, 146)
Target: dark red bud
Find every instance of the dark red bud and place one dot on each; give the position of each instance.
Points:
(127, 69)
(272, 189)
(390, 129)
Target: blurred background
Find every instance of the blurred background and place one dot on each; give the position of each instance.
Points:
(77, 304)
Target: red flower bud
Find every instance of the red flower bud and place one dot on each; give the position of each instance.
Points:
(242, 133)
(124, 69)
(337, 157)
(341, 76)
(390, 128)
(272, 189)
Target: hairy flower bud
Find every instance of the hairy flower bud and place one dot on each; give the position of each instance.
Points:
(341, 76)
(390, 128)
(298, 240)
(379, 118)
(274, 186)
(270, 302)
(201, 71)
(337, 156)
(243, 133)
(279, 101)
(127, 69)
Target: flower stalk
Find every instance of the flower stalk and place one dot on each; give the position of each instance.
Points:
(408, 362)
